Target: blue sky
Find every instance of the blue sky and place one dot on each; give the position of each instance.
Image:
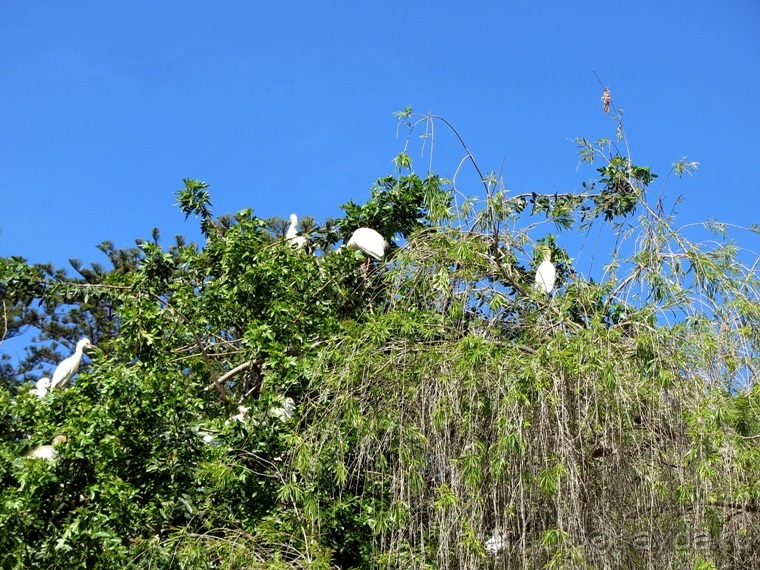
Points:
(287, 106)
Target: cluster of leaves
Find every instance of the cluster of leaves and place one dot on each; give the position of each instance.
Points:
(185, 335)
(440, 400)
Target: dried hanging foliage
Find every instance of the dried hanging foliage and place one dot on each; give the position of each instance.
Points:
(606, 98)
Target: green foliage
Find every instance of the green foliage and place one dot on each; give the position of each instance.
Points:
(195, 199)
(397, 416)
(397, 206)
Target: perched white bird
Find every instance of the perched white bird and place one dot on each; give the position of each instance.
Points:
(283, 412)
(546, 274)
(368, 241)
(41, 387)
(68, 367)
(239, 417)
(496, 544)
(292, 234)
(47, 451)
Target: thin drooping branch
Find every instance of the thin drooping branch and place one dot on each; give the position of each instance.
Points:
(5, 324)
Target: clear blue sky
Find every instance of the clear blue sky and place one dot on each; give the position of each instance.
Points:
(287, 106)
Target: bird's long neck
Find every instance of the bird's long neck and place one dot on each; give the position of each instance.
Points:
(292, 230)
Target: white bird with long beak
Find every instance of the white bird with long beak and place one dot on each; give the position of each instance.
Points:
(370, 242)
(47, 451)
(41, 387)
(68, 367)
(546, 274)
(292, 234)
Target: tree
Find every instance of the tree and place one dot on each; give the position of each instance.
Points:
(440, 400)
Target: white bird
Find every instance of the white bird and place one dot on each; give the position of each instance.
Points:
(239, 417)
(292, 234)
(68, 367)
(283, 412)
(47, 451)
(41, 387)
(495, 544)
(368, 241)
(546, 274)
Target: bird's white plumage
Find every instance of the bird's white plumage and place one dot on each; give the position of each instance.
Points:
(41, 387)
(546, 274)
(241, 416)
(495, 544)
(68, 367)
(47, 451)
(368, 241)
(284, 411)
(292, 234)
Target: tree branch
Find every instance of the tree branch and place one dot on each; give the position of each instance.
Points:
(237, 370)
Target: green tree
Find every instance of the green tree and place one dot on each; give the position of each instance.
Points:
(438, 399)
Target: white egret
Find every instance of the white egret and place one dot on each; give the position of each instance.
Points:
(283, 412)
(546, 274)
(369, 242)
(41, 387)
(47, 451)
(292, 234)
(241, 416)
(496, 544)
(68, 367)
